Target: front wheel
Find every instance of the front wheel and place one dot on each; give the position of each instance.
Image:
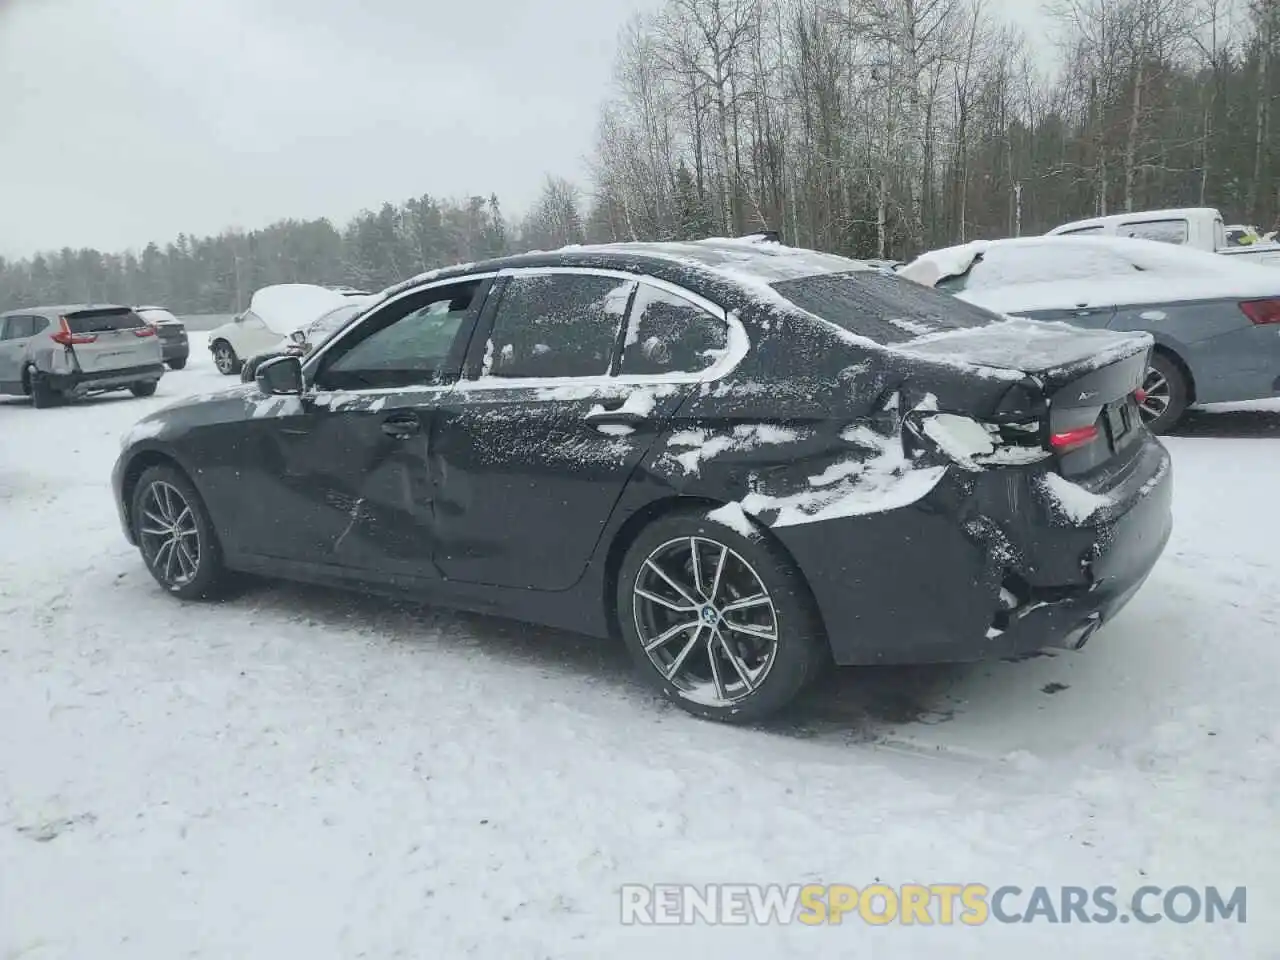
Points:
(177, 364)
(721, 623)
(175, 535)
(143, 388)
(225, 359)
(1166, 391)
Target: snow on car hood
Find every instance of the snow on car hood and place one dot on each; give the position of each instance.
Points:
(928, 268)
(284, 307)
(1029, 274)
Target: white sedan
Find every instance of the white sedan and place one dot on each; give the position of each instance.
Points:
(274, 313)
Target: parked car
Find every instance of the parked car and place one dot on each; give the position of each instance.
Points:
(1199, 228)
(174, 346)
(274, 312)
(302, 341)
(1216, 323)
(54, 354)
(742, 459)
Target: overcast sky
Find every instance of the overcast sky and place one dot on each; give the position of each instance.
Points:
(125, 121)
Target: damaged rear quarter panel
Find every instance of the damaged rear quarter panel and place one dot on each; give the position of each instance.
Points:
(790, 440)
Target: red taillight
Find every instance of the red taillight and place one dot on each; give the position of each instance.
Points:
(144, 331)
(1140, 395)
(65, 337)
(1071, 439)
(1261, 311)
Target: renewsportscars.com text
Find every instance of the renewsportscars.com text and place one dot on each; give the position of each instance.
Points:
(912, 904)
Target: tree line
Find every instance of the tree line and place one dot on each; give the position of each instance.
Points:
(885, 127)
(865, 127)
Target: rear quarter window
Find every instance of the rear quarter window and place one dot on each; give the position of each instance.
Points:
(881, 307)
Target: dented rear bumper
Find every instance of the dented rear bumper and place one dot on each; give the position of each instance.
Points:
(986, 566)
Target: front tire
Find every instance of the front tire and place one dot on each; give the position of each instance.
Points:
(1167, 393)
(175, 535)
(143, 388)
(225, 359)
(177, 364)
(722, 624)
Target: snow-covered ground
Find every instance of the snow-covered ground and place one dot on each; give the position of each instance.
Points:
(299, 774)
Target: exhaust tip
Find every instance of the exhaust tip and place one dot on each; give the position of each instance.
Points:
(1085, 633)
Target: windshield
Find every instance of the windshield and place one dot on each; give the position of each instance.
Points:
(333, 321)
(881, 307)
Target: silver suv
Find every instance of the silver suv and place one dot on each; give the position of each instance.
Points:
(57, 353)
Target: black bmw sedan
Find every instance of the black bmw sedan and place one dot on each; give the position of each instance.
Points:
(743, 460)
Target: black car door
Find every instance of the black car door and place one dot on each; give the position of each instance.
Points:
(572, 377)
(346, 470)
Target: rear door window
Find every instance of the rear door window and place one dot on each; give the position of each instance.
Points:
(553, 325)
(102, 321)
(1081, 231)
(1162, 231)
(19, 328)
(668, 334)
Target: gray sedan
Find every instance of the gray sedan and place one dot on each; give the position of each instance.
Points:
(1216, 323)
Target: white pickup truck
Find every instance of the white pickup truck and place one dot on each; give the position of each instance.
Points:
(1198, 227)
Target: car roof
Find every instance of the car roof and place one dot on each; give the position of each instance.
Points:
(743, 262)
(63, 309)
(1173, 213)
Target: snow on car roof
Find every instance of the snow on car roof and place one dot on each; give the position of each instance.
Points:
(285, 307)
(744, 261)
(771, 262)
(1047, 273)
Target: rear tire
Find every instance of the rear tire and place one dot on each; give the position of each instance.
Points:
(177, 364)
(225, 359)
(43, 395)
(1167, 394)
(743, 633)
(175, 535)
(143, 388)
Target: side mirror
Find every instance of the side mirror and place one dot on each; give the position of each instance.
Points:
(280, 377)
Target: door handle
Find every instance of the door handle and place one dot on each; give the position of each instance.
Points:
(401, 426)
(624, 418)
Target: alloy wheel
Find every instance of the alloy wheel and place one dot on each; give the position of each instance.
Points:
(706, 620)
(1159, 394)
(223, 359)
(169, 534)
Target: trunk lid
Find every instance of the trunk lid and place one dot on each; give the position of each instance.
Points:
(1078, 386)
(108, 338)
